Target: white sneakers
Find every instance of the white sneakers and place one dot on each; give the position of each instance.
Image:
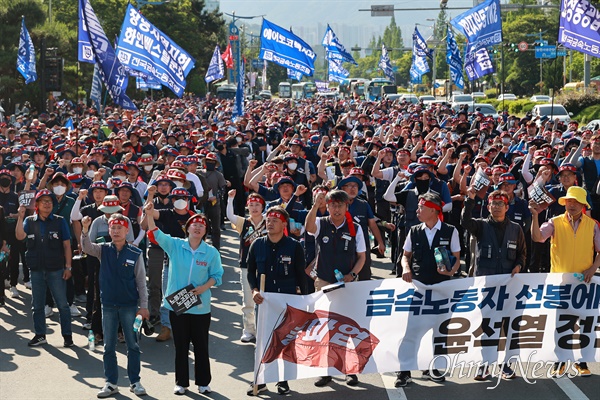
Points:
(204, 389)
(28, 285)
(179, 390)
(14, 293)
(137, 389)
(48, 311)
(108, 390)
(247, 337)
(74, 310)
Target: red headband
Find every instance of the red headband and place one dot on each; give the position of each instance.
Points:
(278, 215)
(431, 204)
(498, 197)
(198, 219)
(121, 222)
(254, 199)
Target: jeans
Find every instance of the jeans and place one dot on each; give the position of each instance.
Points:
(164, 313)
(111, 317)
(58, 287)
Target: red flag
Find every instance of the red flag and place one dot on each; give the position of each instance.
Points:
(321, 339)
(227, 56)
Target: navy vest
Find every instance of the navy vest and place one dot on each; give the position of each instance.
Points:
(336, 249)
(278, 265)
(45, 251)
(423, 264)
(494, 260)
(117, 275)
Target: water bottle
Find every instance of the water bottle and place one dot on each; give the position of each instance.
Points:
(338, 275)
(580, 277)
(137, 323)
(4, 254)
(439, 259)
(91, 341)
(30, 172)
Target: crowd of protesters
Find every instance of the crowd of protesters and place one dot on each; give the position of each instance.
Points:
(391, 169)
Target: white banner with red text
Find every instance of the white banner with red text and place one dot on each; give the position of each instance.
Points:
(391, 325)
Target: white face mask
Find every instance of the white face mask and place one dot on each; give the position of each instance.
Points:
(90, 173)
(180, 204)
(360, 149)
(178, 183)
(292, 166)
(59, 190)
(122, 178)
(147, 168)
(77, 170)
(238, 139)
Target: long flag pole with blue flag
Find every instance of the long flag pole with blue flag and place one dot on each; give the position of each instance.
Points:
(335, 49)
(84, 45)
(26, 56)
(96, 91)
(215, 70)
(454, 59)
(386, 64)
(238, 109)
(419, 65)
(112, 72)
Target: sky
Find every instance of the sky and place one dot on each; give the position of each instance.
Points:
(308, 13)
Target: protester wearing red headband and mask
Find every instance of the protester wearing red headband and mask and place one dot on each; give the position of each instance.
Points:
(418, 261)
(122, 281)
(249, 229)
(501, 245)
(281, 259)
(191, 262)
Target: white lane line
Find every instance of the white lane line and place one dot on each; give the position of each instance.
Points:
(393, 392)
(570, 389)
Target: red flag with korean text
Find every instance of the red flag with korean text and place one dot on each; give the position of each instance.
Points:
(227, 56)
(321, 339)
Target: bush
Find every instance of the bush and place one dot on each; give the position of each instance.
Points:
(491, 93)
(576, 102)
(519, 107)
(587, 114)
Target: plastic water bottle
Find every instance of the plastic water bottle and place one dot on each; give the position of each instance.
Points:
(4, 254)
(439, 259)
(137, 323)
(91, 341)
(30, 172)
(338, 275)
(580, 277)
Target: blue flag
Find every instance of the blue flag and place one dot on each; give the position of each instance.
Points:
(147, 83)
(337, 72)
(238, 108)
(142, 47)
(84, 45)
(386, 65)
(112, 72)
(482, 24)
(478, 63)
(420, 48)
(415, 76)
(26, 55)
(69, 124)
(577, 30)
(454, 60)
(96, 91)
(282, 47)
(216, 70)
(293, 74)
(336, 50)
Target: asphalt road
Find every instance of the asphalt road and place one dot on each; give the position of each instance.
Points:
(54, 372)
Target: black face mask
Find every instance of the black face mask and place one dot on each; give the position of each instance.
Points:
(5, 182)
(422, 185)
(219, 147)
(210, 166)
(162, 196)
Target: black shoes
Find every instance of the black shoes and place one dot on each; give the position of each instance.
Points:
(351, 380)
(283, 387)
(322, 381)
(402, 379)
(68, 340)
(37, 340)
(434, 375)
(261, 388)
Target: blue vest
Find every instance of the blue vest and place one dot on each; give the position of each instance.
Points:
(278, 265)
(336, 249)
(117, 275)
(45, 251)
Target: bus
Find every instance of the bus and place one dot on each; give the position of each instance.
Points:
(345, 87)
(373, 88)
(285, 90)
(303, 90)
(357, 88)
(226, 91)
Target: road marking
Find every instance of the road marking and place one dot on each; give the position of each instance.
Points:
(393, 392)
(570, 389)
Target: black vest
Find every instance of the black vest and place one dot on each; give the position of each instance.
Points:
(336, 249)
(492, 260)
(423, 264)
(278, 265)
(132, 214)
(45, 251)
(248, 235)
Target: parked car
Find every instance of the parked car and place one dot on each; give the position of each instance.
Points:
(478, 95)
(462, 98)
(540, 98)
(265, 94)
(552, 112)
(593, 125)
(425, 98)
(507, 96)
(486, 109)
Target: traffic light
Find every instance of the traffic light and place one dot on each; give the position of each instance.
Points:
(443, 4)
(53, 74)
(514, 47)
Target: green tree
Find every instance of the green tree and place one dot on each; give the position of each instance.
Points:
(392, 37)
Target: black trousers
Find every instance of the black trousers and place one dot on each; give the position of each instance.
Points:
(17, 251)
(213, 213)
(193, 328)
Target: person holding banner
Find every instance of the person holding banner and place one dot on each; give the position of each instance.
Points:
(574, 245)
(122, 281)
(280, 259)
(418, 261)
(195, 266)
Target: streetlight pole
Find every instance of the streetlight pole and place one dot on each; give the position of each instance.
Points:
(234, 41)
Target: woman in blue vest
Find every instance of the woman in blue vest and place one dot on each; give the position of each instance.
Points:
(191, 262)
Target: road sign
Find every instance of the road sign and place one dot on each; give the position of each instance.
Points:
(561, 53)
(382, 11)
(523, 46)
(545, 52)
(257, 64)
